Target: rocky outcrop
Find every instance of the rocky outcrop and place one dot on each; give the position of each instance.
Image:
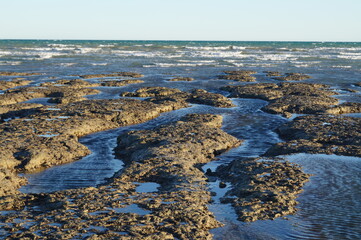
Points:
(164, 95)
(186, 79)
(262, 188)
(168, 155)
(119, 83)
(272, 74)
(320, 134)
(20, 110)
(293, 77)
(59, 94)
(240, 75)
(288, 98)
(116, 74)
(13, 83)
(345, 108)
(18, 74)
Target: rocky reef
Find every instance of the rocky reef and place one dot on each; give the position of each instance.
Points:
(197, 96)
(288, 98)
(116, 74)
(327, 134)
(186, 79)
(292, 77)
(13, 83)
(10, 74)
(262, 188)
(168, 156)
(239, 75)
(35, 137)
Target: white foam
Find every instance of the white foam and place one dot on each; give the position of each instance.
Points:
(341, 66)
(167, 65)
(218, 54)
(209, 48)
(99, 64)
(67, 64)
(277, 57)
(10, 63)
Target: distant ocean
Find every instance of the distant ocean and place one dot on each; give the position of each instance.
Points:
(332, 62)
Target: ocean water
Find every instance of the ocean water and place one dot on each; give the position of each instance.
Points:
(336, 64)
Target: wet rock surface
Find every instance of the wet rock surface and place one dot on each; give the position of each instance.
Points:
(240, 75)
(288, 98)
(116, 74)
(320, 134)
(13, 83)
(169, 156)
(197, 96)
(119, 83)
(293, 77)
(262, 188)
(58, 94)
(344, 108)
(50, 136)
(186, 79)
(272, 74)
(18, 74)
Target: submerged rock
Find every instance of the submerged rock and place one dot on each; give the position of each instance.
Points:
(120, 83)
(18, 74)
(116, 74)
(320, 134)
(293, 77)
(240, 75)
(272, 74)
(187, 79)
(262, 188)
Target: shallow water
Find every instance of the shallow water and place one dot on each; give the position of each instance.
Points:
(329, 206)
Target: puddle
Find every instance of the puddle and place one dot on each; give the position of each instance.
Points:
(48, 135)
(147, 187)
(133, 208)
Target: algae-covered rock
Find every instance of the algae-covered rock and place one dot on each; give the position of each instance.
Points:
(320, 134)
(288, 98)
(240, 75)
(116, 74)
(185, 79)
(164, 94)
(262, 188)
(168, 155)
(293, 77)
(13, 83)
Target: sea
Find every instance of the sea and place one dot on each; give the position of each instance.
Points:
(330, 205)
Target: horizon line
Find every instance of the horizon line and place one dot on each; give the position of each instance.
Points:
(158, 40)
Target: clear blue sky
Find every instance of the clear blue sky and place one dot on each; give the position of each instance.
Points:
(276, 20)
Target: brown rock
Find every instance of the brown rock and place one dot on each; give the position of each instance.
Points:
(187, 79)
(18, 74)
(262, 188)
(320, 134)
(293, 77)
(164, 95)
(116, 74)
(286, 98)
(13, 83)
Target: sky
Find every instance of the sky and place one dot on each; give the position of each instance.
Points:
(234, 20)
